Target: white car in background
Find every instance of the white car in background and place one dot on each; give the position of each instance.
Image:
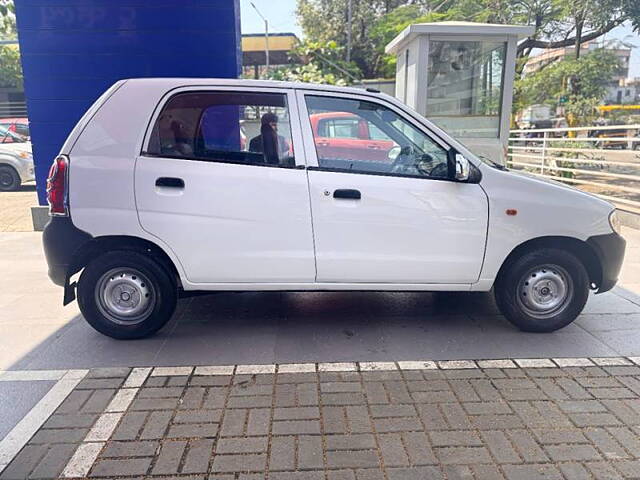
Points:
(155, 193)
(16, 160)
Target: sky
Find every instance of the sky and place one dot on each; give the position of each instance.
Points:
(282, 18)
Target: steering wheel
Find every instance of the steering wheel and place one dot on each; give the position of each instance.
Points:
(403, 161)
(406, 162)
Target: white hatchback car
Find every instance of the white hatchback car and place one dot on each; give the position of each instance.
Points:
(173, 185)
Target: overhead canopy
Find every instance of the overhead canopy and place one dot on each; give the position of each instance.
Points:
(456, 28)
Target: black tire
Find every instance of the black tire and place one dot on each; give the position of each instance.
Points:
(160, 288)
(9, 179)
(511, 289)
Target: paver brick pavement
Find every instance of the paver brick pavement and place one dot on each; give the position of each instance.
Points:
(479, 424)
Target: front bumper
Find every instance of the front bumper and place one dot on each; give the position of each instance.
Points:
(610, 251)
(61, 240)
(25, 169)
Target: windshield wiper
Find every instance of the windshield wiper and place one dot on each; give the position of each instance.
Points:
(494, 164)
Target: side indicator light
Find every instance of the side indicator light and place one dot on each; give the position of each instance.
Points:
(511, 212)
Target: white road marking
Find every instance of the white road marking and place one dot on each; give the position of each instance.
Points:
(32, 421)
(137, 377)
(82, 460)
(374, 366)
(122, 400)
(496, 364)
(610, 361)
(31, 375)
(297, 368)
(104, 427)
(413, 365)
(337, 367)
(535, 363)
(255, 369)
(215, 370)
(171, 371)
(457, 364)
(635, 360)
(573, 362)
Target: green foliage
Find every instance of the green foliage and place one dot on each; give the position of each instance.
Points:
(388, 27)
(326, 21)
(375, 22)
(10, 67)
(322, 62)
(7, 19)
(592, 72)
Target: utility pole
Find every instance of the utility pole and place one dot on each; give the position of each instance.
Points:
(349, 18)
(266, 36)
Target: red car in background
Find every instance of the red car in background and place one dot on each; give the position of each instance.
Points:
(18, 125)
(343, 135)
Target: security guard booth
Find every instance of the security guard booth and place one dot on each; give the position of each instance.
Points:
(460, 75)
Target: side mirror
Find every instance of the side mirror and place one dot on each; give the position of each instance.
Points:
(462, 168)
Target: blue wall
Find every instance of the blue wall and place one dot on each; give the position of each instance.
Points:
(73, 50)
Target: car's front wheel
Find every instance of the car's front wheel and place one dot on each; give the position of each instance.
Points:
(542, 290)
(9, 178)
(126, 295)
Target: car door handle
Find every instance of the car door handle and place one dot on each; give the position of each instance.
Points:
(373, 147)
(347, 193)
(171, 182)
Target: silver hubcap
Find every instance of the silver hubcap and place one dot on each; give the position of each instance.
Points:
(545, 291)
(125, 296)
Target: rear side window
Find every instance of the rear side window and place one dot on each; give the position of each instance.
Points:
(235, 127)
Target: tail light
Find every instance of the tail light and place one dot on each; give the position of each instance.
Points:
(57, 187)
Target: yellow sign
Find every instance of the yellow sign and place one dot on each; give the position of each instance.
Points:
(256, 43)
(609, 108)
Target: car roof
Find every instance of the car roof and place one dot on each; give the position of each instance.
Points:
(234, 82)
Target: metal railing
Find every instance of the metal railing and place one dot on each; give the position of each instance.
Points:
(604, 161)
(13, 109)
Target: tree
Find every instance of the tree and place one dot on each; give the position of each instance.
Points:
(10, 67)
(321, 63)
(558, 23)
(388, 27)
(582, 81)
(328, 21)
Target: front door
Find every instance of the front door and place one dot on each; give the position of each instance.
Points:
(395, 221)
(222, 184)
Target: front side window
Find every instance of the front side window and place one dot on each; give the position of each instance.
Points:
(391, 145)
(236, 127)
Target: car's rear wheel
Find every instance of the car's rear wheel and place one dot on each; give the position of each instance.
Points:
(542, 290)
(9, 178)
(126, 295)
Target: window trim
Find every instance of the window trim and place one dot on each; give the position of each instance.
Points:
(228, 162)
(294, 120)
(379, 174)
(310, 147)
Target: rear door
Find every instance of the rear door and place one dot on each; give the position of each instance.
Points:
(229, 214)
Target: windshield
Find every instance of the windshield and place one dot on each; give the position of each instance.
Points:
(7, 136)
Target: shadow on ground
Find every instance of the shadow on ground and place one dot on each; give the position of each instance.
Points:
(273, 327)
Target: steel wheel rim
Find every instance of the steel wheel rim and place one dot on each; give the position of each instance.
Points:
(125, 296)
(545, 291)
(6, 179)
